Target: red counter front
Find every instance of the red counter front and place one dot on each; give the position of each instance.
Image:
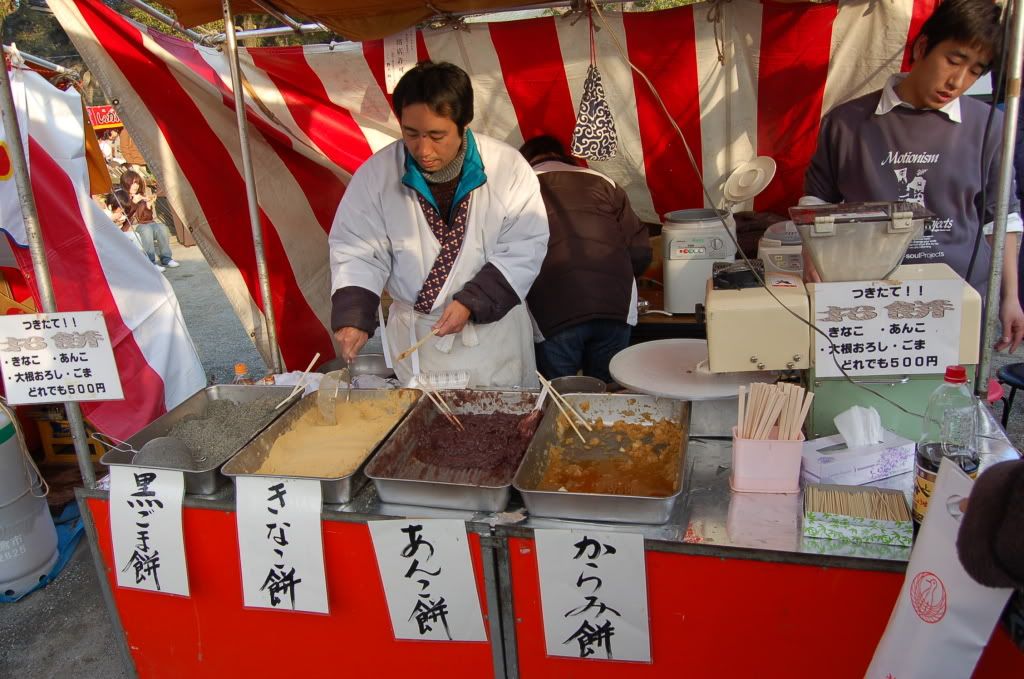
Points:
(210, 633)
(718, 617)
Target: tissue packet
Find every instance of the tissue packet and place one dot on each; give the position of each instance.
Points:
(828, 460)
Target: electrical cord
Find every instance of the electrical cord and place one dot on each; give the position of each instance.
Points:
(26, 460)
(707, 195)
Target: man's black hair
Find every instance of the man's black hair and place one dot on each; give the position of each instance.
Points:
(118, 198)
(545, 145)
(971, 22)
(443, 87)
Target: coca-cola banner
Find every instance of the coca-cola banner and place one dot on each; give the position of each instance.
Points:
(103, 117)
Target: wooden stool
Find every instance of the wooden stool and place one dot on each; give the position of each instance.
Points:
(1013, 376)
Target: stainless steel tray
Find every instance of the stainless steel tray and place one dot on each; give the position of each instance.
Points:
(199, 481)
(632, 408)
(459, 491)
(334, 489)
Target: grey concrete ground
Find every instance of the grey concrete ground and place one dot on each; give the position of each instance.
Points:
(63, 630)
(218, 335)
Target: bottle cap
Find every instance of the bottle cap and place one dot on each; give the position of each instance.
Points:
(956, 374)
(241, 369)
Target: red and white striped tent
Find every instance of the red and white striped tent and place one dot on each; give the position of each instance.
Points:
(93, 267)
(316, 112)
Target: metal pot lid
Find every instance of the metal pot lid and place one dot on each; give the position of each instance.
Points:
(749, 179)
(781, 233)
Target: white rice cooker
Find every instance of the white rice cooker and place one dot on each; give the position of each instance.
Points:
(780, 249)
(692, 241)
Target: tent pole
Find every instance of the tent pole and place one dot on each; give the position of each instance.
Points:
(267, 33)
(39, 264)
(990, 328)
(67, 72)
(250, 186)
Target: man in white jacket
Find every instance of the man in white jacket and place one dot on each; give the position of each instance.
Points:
(454, 226)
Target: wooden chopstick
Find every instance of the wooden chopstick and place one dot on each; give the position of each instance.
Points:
(568, 418)
(765, 406)
(408, 352)
(740, 405)
(299, 382)
(440, 405)
(558, 397)
(447, 407)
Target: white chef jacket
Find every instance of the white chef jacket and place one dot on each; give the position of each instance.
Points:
(380, 238)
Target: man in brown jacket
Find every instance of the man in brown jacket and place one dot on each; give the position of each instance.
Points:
(584, 300)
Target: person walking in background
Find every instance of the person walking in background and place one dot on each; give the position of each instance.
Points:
(115, 205)
(141, 200)
(584, 300)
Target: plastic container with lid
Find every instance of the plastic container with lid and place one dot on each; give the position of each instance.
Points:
(242, 374)
(949, 429)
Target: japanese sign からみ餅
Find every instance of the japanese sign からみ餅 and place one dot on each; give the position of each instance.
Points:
(593, 591)
(878, 328)
(145, 527)
(428, 579)
(280, 543)
(52, 358)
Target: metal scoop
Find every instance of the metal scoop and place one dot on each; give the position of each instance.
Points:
(327, 395)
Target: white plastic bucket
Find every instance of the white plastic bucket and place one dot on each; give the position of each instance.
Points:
(28, 538)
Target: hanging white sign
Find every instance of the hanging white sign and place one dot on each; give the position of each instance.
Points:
(280, 543)
(941, 612)
(593, 590)
(50, 358)
(428, 579)
(145, 526)
(882, 328)
(399, 56)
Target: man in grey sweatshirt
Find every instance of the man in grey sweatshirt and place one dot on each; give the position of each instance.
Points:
(919, 140)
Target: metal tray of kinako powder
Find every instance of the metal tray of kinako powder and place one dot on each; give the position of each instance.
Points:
(203, 478)
(603, 444)
(401, 478)
(334, 489)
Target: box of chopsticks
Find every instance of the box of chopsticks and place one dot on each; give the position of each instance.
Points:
(857, 514)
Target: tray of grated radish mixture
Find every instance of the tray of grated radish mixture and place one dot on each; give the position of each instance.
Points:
(627, 468)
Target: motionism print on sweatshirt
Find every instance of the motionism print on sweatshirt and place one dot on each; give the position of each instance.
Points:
(912, 180)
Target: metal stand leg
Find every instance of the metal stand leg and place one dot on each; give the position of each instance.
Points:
(1008, 406)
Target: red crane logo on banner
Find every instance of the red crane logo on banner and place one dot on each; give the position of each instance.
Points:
(928, 597)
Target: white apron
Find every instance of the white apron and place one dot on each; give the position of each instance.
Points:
(496, 354)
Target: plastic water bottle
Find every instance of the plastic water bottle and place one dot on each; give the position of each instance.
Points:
(950, 429)
(242, 374)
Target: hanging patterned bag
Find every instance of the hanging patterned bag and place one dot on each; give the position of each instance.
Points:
(594, 137)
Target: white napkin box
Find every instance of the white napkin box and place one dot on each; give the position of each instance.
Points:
(828, 460)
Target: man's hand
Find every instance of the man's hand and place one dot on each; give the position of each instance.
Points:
(351, 340)
(453, 320)
(1012, 317)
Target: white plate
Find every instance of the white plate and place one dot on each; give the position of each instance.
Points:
(749, 179)
(669, 368)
